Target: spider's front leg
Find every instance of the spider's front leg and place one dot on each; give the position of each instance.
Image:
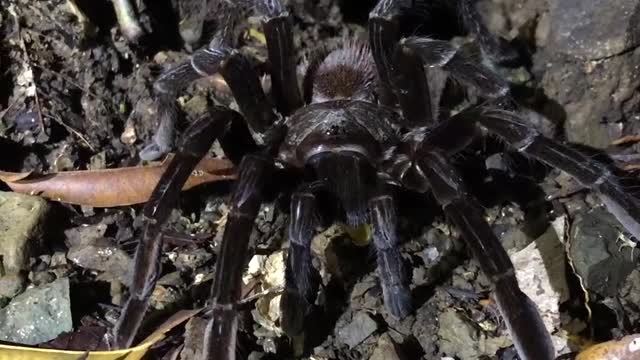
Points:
(302, 279)
(496, 47)
(400, 61)
(401, 73)
(196, 142)
(391, 270)
(220, 57)
(279, 34)
(254, 173)
(220, 335)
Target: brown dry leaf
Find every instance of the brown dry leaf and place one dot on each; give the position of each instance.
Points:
(111, 187)
(627, 348)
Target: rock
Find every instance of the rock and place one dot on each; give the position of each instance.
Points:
(274, 270)
(594, 249)
(540, 269)
(268, 314)
(21, 217)
(594, 29)
(424, 327)
(360, 328)
(38, 315)
(12, 284)
(172, 279)
(189, 259)
(193, 335)
(457, 336)
(38, 278)
(460, 338)
(595, 98)
(85, 234)
(163, 297)
(114, 262)
(385, 350)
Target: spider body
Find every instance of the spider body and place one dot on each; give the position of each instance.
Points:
(339, 125)
(369, 124)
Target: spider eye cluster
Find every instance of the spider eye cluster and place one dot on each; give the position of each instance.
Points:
(345, 73)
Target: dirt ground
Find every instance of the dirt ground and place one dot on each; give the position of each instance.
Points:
(76, 95)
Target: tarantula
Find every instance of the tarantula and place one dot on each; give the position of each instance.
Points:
(351, 141)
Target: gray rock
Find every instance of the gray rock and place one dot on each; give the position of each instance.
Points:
(457, 336)
(193, 335)
(360, 328)
(594, 29)
(12, 284)
(190, 259)
(594, 249)
(114, 262)
(385, 350)
(163, 297)
(85, 234)
(38, 278)
(21, 217)
(38, 315)
(594, 97)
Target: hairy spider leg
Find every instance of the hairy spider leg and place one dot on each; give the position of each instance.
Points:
(391, 270)
(237, 72)
(401, 73)
(196, 141)
(420, 163)
(282, 56)
(597, 176)
(525, 325)
(220, 57)
(359, 195)
(301, 278)
(495, 47)
(460, 67)
(220, 336)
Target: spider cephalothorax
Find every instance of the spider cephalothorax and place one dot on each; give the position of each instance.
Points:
(368, 126)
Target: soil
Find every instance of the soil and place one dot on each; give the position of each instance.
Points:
(76, 97)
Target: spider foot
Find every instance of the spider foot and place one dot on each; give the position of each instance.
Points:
(397, 301)
(294, 309)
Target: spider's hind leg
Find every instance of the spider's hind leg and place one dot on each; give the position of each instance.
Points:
(590, 173)
(525, 325)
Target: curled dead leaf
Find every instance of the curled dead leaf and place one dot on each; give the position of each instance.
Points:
(111, 187)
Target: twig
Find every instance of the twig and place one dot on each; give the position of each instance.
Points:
(69, 80)
(269, 291)
(72, 130)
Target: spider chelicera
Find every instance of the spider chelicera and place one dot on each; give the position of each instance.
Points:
(363, 123)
